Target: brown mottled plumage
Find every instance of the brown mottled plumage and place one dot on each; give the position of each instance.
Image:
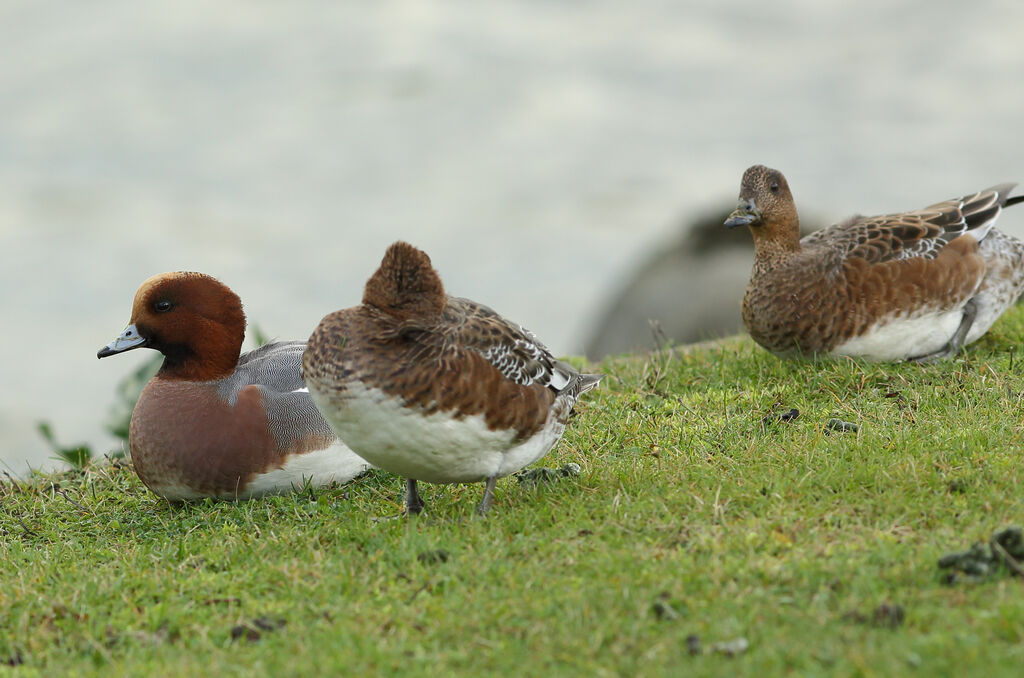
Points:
(914, 285)
(433, 387)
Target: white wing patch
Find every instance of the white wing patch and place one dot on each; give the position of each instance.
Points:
(559, 378)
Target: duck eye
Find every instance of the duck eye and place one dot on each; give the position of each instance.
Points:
(774, 187)
(162, 306)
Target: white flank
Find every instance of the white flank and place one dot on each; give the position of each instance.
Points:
(436, 448)
(902, 338)
(334, 464)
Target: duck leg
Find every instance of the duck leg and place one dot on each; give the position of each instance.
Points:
(956, 342)
(414, 503)
(485, 503)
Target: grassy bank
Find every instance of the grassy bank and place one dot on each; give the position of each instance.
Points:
(701, 516)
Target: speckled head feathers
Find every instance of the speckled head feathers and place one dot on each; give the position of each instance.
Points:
(766, 206)
(769, 192)
(763, 182)
(406, 283)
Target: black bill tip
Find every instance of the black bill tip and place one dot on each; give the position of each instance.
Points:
(745, 214)
(735, 220)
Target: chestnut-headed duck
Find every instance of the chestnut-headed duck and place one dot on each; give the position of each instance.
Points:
(916, 285)
(214, 422)
(437, 388)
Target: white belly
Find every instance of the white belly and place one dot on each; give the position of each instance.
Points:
(902, 338)
(436, 448)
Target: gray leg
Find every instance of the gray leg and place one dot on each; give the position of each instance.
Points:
(485, 503)
(413, 502)
(956, 342)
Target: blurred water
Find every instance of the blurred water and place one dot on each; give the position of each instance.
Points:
(534, 149)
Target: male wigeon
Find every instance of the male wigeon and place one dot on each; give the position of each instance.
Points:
(911, 286)
(212, 422)
(437, 388)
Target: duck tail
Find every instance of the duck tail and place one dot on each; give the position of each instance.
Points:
(589, 381)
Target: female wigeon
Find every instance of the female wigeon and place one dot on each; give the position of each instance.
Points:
(437, 388)
(911, 286)
(212, 422)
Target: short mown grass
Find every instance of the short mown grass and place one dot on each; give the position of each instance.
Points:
(699, 514)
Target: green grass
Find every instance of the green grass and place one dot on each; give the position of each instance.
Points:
(778, 533)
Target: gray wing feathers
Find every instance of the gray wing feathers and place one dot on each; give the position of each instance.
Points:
(277, 366)
(276, 369)
(293, 417)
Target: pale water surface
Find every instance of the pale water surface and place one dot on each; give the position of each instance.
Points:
(536, 150)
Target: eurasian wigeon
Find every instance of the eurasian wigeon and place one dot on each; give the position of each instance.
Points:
(212, 422)
(437, 388)
(910, 286)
